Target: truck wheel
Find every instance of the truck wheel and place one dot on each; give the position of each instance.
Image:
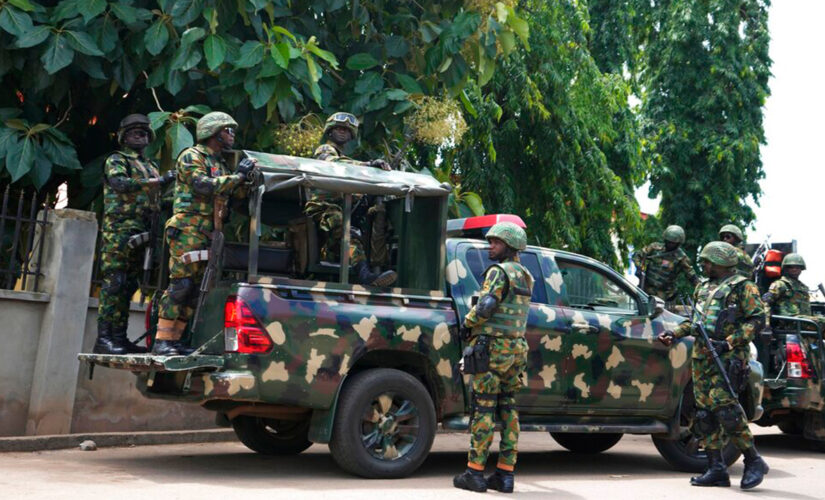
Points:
(582, 442)
(685, 453)
(384, 425)
(268, 436)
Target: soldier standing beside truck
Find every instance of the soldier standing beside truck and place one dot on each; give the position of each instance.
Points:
(659, 265)
(730, 233)
(340, 129)
(732, 313)
(497, 326)
(131, 190)
(203, 187)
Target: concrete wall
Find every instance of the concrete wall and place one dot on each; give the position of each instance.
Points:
(21, 314)
(43, 387)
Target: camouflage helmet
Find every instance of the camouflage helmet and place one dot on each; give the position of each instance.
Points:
(674, 233)
(212, 123)
(720, 253)
(135, 120)
(509, 233)
(732, 229)
(342, 119)
(793, 259)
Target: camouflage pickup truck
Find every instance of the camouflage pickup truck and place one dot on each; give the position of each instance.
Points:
(292, 354)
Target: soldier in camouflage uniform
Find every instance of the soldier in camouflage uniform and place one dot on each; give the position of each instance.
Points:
(732, 314)
(659, 265)
(499, 319)
(788, 296)
(131, 189)
(203, 182)
(340, 129)
(731, 234)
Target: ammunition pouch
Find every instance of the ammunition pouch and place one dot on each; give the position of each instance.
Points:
(738, 374)
(726, 316)
(704, 423)
(476, 358)
(138, 240)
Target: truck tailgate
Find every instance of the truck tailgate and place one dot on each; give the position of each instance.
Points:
(148, 362)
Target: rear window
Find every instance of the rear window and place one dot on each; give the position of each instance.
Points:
(479, 262)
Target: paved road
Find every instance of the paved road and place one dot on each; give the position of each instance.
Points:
(631, 470)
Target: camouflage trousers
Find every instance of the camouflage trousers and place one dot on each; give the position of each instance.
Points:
(120, 269)
(494, 399)
(329, 217)
(711, 395)
(184, 233)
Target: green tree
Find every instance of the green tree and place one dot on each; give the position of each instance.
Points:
(74, 68)
(563, 148)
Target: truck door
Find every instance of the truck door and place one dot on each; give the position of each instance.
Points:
(545, 324)
(614, 361)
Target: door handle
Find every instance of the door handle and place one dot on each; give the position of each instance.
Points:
(585, 327)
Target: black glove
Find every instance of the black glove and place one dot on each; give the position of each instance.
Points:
(720, 346)
(168, 177)
(465, 332)
(245, 166)
(380, 163)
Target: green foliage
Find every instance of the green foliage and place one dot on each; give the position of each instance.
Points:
(266, 63)
(562, 147)
(702, 69)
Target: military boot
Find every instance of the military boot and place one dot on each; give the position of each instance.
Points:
(755, 469)
(119, 335)
(716, 474)
(501, 480)
(367, 277)
(105, 343)
(181, 346)
(166, 346)
(472, 480)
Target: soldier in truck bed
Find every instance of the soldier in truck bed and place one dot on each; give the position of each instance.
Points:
(325, 208)
(659, 265)
(131, 190)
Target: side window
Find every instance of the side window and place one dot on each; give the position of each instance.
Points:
(590, 289)
(478, 262)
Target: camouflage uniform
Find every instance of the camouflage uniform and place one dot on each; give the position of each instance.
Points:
(744, 266)
(202, 177)
(508, 282)
(125, 213)
(325, 209)
(789, 297)
(662, 269)
(709, 389)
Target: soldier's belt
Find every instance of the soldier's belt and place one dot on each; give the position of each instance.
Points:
(195, 256)
(137, 240)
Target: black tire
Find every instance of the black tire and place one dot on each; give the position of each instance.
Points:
(685, 453)
(272, 437)
(367, 437)
(793, 426)
(582, 442)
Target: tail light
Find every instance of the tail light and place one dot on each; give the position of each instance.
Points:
(241, 329)
(798, 365)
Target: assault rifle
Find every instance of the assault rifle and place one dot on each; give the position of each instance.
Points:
(713, 354)
(215, 256)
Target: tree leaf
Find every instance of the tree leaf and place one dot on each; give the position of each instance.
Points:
(90, 9)
(473, 202)
(14, 21)
(175, 81)
(397, 95)
(214, 48)
(409, 83)
(519, 26)
(22, 5)
(361, 61)
(200, 109)
(312, 66)
(180, 138)
(250, 54)
(323, 54)
(280, 54)
(8, 140)
(468, 106)
(378, 102)
(42, 168)
(396, 46)
(369, 83)
(192, 35)
(261, 91)
(283, 31)
(39, 127)
(57, 55)
(157, 119)
(33, 37)
(184, 12)
(20, 158)
(82, 43)
(156, 37)
(128, 14)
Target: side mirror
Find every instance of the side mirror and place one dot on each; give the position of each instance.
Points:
(655, 306)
